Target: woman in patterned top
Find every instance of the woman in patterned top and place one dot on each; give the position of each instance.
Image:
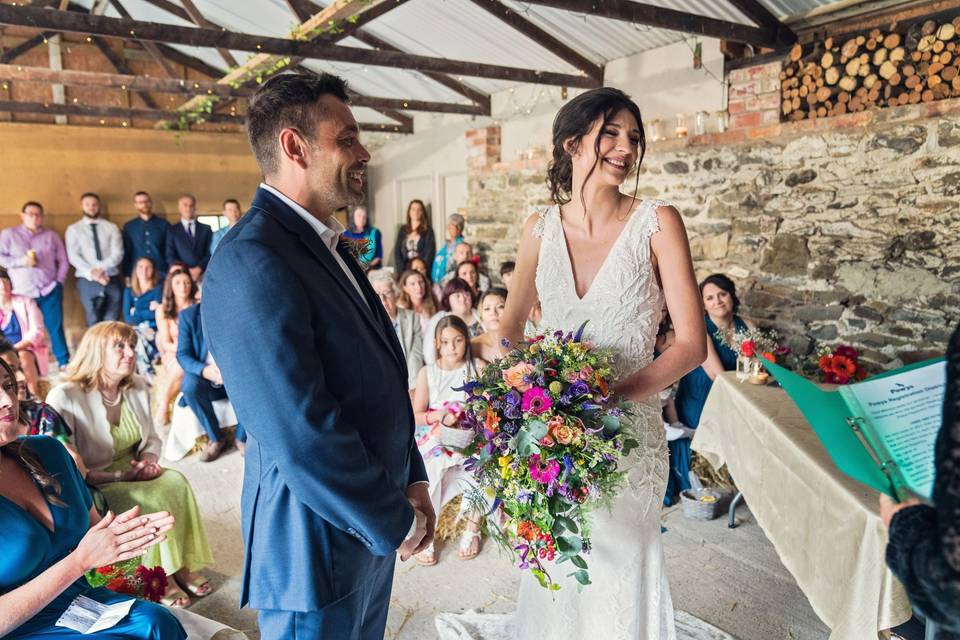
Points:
(924, 548)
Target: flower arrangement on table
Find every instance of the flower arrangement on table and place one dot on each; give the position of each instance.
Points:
(750, 346)
(549, 434)
(839, 364)
(131, 578)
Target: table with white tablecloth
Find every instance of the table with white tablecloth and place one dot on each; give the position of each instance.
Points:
(824, 526)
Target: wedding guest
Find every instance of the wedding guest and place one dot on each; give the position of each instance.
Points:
(406, 323)
(415, 238)
(231, 211)
(436, 405)
(487, 344)
(144, 237)
(51, 536)
(361, 230)
(22, 325)
(95, 249)
(108, 407)
(720, 301)
(417, 296)
(36, 260)
(203, 384)
(463, 253)
(457, 300)
(418, 264)
(188, 241)
(140, 303)
(924, 547)
(455, 224)
(469, 273)
(506, 272)
(179, 292)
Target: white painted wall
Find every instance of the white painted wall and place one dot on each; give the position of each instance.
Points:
(432, 163)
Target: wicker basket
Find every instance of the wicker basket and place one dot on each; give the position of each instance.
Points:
(453, 437)
(696, 509)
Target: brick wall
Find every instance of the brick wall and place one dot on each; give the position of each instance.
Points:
(754, 96)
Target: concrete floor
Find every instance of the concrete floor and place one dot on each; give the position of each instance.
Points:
(730, 578)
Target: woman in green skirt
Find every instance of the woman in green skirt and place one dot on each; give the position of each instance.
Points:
(108, 407)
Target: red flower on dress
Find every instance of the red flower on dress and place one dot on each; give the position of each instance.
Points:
(153, 582)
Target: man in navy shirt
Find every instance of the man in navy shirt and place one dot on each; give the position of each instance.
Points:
(144, 236)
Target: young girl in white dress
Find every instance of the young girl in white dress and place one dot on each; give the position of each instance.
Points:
(436, 405)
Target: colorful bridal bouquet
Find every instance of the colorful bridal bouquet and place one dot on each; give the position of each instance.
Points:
(130, 578)
(840, 365)
(549, 435)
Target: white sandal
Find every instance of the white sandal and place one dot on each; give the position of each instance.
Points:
(430, 553)
(466, 540)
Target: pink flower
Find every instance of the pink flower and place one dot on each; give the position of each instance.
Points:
(536, 401)
(543, 471)
(517, 376)
(586, 372)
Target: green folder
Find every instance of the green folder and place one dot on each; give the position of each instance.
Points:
(882, 431)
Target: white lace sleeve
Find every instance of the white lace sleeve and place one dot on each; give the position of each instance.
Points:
(651, 224)
(540, 227)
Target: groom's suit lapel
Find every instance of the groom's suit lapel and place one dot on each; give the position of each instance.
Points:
(279, 211)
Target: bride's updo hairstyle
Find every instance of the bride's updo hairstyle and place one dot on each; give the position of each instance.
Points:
(573, 121)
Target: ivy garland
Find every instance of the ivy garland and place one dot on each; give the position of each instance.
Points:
(199, 113)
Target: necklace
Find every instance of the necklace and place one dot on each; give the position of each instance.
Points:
(111, 403)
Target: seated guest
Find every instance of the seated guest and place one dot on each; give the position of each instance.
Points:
(415, 238)
(51, 536)
(469, 273)
(188, 241)
(179, 292)
(417, 264)
(361, 230)
(464, 253)
(417, 296)
(435, 404)
(924, 547)
(140, 303)
(405, 323)
(202, 383)
(721, 304)
(457, 300)
(22, 325)
(231, 211)
(507, 268)
(487, 344)
(108, 407)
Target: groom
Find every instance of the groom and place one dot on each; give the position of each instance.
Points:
(333, 482)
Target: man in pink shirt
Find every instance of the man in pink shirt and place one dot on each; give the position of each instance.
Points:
(36, 260)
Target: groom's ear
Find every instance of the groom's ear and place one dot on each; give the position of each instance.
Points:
(293, 146)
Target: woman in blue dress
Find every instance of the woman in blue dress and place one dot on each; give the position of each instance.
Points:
(140, 303)
(721, 304)
(50, 537)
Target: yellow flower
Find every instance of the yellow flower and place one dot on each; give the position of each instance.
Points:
(556, 388)
(504, 461)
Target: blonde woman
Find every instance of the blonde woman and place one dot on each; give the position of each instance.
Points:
(108, 407)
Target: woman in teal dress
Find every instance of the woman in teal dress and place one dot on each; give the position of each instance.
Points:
(721, 304)
(50, 537)
(108, 407)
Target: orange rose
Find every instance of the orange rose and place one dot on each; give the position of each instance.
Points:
(769, 357)
(492, 420)
(516, 375)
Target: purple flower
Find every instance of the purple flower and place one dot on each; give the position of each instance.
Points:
(536, 401)
(578, 388)
(615, 412)
(543, 471)
(510, 428)
(513, 398)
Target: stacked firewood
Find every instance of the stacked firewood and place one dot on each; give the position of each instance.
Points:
(877, 69)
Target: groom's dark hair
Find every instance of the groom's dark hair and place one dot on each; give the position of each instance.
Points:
(287, 100)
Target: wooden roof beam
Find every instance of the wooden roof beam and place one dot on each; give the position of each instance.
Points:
(197, 36)
(197, 18)
(148, 114)
(544, 39)
(664, 18)
(120, 65)
(149, 46)
(20, 73)
(763, 17)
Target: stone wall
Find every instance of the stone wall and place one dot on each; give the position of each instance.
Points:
(839, 229)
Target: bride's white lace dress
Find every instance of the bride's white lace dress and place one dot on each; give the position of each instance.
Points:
(630, 595)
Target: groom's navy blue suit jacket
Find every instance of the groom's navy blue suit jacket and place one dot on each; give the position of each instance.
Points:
(318, 379)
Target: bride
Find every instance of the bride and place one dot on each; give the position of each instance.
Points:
(601, 256)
